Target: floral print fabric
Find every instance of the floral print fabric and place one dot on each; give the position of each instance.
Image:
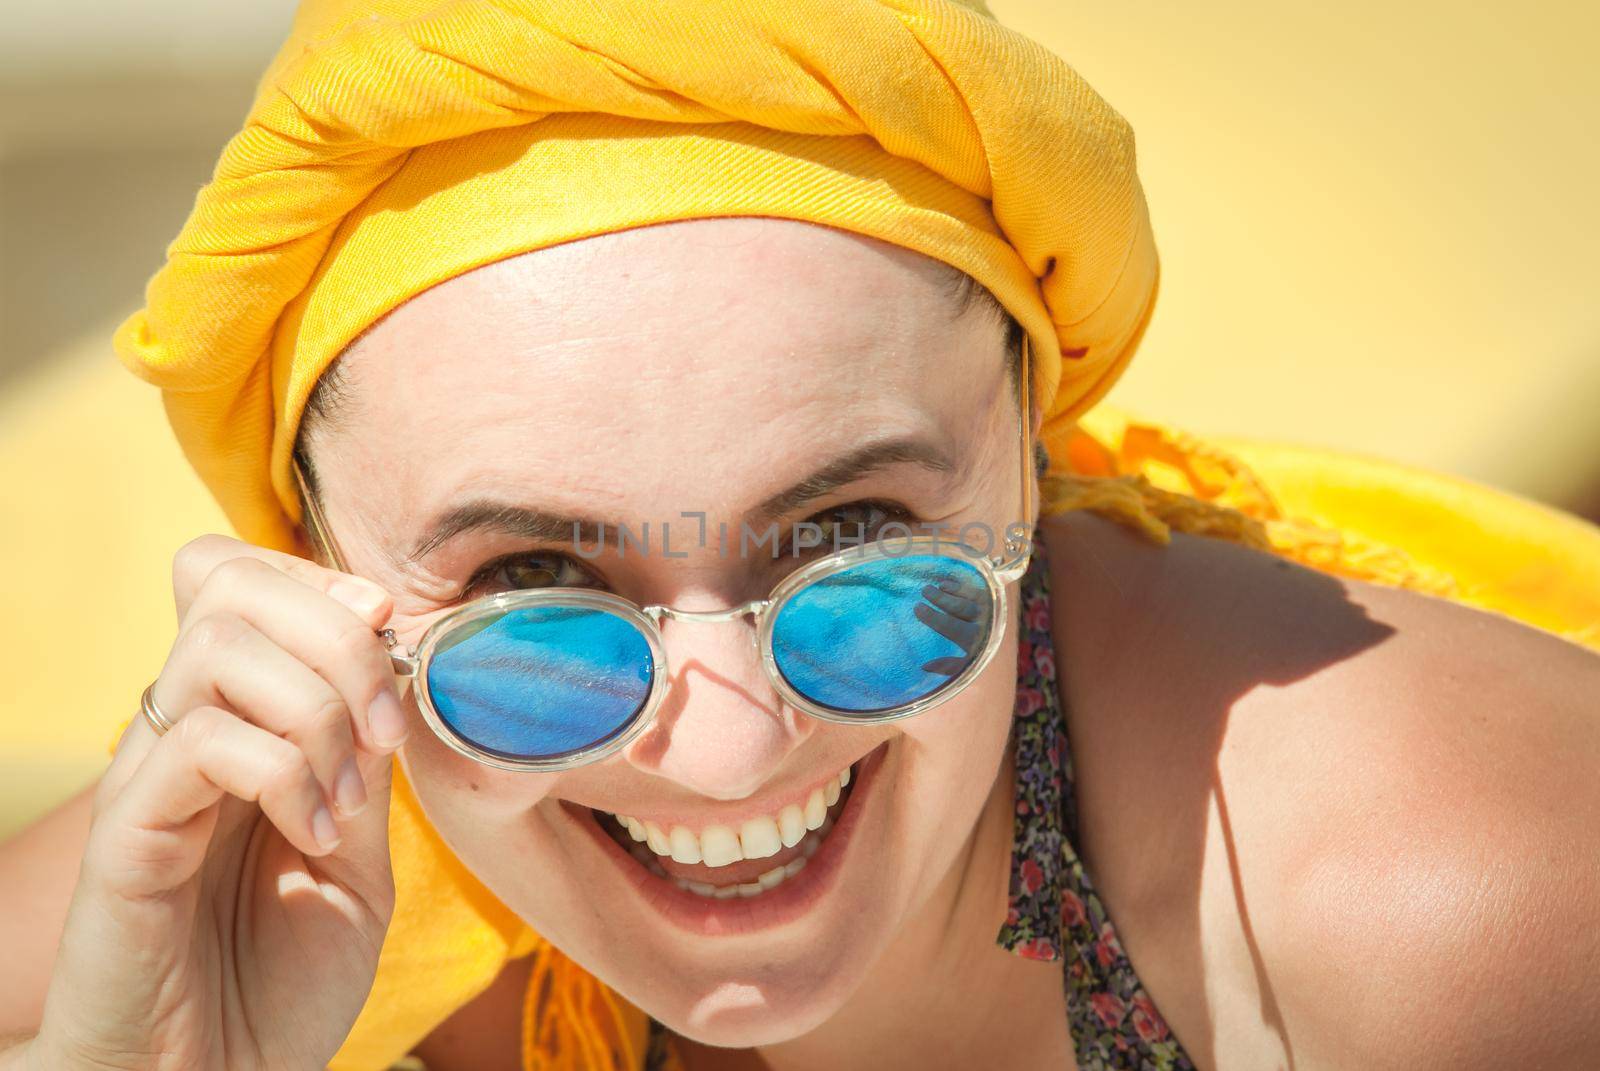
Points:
(1054, 911)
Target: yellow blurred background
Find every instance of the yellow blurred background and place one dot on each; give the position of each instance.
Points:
(1378, 224)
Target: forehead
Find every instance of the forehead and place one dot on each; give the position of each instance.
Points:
(645, 363)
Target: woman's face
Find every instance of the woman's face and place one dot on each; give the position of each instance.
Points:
(704, 366)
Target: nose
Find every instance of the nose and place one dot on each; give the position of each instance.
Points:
(721, 730)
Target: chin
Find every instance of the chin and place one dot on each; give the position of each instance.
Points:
(777, 1003)
(745, 953)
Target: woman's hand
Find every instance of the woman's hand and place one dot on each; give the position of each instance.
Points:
(236, 888)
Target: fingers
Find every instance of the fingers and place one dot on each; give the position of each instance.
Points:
(223, 660)
(288, 648)
(134, 744)
(154, 835)
(964, 633)
(955, 614)
(363, 852)
(334, 639)
(954, 598)
(946, 667)
(196, 559)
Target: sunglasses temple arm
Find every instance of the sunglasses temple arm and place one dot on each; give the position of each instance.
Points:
(322, 541)
(1021, 549)
(315, 523)
(1025, 418)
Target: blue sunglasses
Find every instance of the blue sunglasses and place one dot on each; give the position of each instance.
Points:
(550, 679)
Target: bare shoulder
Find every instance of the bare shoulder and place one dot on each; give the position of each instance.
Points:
(38, 871)
(1337, 824)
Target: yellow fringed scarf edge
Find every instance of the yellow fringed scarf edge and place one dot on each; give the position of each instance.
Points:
(570, 1020)
(1156, 480)
(1217, 495)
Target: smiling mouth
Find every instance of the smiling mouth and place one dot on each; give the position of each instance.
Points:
(722, 862)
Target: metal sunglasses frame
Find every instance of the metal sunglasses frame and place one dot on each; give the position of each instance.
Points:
(997, 572)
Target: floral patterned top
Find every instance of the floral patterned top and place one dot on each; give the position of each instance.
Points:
(1054, 911)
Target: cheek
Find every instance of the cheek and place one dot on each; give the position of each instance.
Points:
(460, 794)
(954, 754)
(975, 724)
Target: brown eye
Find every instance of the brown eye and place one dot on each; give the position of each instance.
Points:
(852, 524)
(530, 571)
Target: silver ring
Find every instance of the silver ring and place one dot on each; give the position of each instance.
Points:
(152, 713)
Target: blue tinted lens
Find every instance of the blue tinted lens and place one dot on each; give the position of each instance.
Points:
(884, 633)
(541, 682)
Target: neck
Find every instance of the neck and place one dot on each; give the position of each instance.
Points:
(944, 994)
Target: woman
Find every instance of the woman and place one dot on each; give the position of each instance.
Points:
(495, 282)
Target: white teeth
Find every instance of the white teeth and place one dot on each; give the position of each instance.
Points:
(816, 809)
(791, 825)
(770, 880)
(758, 838)
(685, 845)
(719, 847)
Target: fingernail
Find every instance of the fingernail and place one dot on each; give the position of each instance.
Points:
(349, 792)
(323, 829)
(387, 720)
(363, 598)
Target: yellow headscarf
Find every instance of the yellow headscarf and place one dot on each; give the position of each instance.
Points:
(396, 143)
(393, 144)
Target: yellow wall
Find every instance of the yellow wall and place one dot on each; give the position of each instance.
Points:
(1379, 222)
(99, 499)
(1379, 231)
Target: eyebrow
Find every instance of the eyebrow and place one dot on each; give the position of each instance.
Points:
(489, 515)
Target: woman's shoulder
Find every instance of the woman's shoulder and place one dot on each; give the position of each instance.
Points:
(1340, 818)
